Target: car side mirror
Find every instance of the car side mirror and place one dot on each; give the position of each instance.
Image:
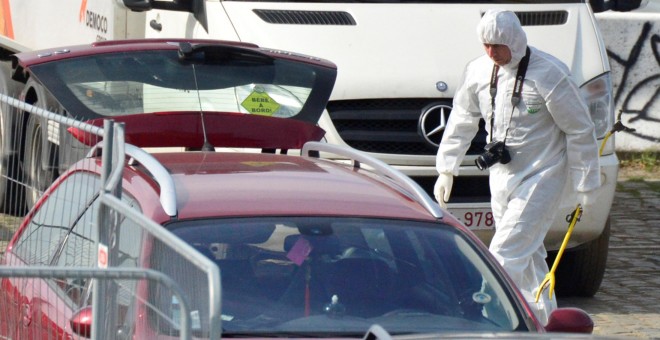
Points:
(570, 320)
(81, 322)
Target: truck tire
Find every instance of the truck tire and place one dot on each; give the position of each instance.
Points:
(580, 271)
(37, 176)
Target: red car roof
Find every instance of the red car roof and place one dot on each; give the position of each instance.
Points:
(250, 184)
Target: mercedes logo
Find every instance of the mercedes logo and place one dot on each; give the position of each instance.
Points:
(432, 122)
(441, 86)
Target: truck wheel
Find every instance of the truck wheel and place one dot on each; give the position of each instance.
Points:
(11, 192)
(37, 176)
(580, 271)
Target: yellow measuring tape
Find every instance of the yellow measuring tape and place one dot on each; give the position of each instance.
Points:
(549, 280)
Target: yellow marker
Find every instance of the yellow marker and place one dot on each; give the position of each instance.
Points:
(257, 164)
(260, 103)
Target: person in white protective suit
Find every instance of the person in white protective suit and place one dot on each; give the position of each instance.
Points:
(548, 135)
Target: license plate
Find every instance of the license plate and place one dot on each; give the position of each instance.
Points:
(474, 218)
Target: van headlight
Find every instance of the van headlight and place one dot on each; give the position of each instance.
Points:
(598, 95)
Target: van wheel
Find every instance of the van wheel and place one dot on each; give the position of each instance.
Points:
(580, 271)
(37, 176)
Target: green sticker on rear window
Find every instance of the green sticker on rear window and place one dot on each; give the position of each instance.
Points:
(260, 103)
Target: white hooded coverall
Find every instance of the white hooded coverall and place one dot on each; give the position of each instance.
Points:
(550, 135)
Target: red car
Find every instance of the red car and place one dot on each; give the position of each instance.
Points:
(307, 247)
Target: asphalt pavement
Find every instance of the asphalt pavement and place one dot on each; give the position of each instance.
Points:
(628, 302)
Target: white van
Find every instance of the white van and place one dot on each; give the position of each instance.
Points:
(399, 64)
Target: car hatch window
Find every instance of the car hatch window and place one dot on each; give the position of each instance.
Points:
(118, 84)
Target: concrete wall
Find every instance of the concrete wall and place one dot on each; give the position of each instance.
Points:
(633, 46)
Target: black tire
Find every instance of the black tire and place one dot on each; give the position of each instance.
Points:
(11, 192)
(37, 177)
(580, 271)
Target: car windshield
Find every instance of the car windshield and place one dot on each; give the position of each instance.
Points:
(337, 276)
(213, 78)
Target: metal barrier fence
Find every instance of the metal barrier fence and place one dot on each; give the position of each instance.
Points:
(16, 324)
(63, 236)
(34, 149)
(198, 277)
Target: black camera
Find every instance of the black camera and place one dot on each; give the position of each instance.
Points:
(493, 152)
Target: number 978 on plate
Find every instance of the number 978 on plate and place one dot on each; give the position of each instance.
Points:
(475, 218)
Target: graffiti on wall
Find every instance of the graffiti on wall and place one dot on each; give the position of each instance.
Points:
(638, 77)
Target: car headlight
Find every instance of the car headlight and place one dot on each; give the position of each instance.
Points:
(598, 94)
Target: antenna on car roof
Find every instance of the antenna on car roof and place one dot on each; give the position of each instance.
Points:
(185, 50)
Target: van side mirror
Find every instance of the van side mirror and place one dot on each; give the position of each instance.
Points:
(617, 5)
(135, 5)
(570, 320)
(628, 5)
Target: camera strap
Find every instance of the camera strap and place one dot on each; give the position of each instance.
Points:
(517, 90)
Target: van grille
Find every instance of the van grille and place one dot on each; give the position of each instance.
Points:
(543, 18)
(389, 126)
(273, 16)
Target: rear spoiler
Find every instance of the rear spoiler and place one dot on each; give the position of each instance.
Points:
(185, 129)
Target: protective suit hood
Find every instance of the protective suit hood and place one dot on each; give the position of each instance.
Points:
(503, 28)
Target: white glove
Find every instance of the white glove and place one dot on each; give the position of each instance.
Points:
(442, 188)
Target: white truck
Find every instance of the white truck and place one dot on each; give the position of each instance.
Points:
(399, 63)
